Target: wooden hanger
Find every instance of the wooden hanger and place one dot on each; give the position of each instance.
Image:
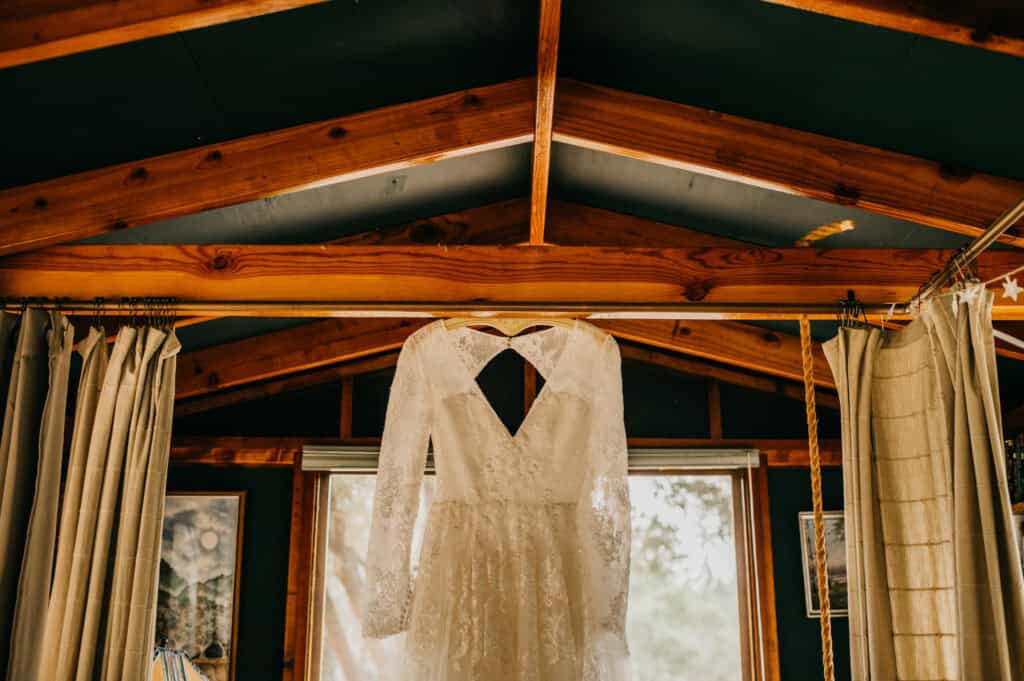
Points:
(510, 326)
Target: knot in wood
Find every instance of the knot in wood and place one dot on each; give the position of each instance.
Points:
(471, 100)
(220, 262)
(41, 203)
(955, 173)
(770, 338)
(212, 379)
(846, 195)
(337, 132)
(681, 330)
(214, 156)
(697, 291)
(425, 233)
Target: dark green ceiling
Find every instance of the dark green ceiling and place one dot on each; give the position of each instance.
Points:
(894, 90)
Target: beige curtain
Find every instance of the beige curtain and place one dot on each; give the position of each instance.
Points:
(30, 469)
(101, 613)
(935, 586)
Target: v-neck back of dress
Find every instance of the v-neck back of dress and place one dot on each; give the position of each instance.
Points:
(544, 350)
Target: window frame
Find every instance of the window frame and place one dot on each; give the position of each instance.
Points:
(746, 468)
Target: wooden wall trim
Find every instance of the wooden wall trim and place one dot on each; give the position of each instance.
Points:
(235, 451)
(781, 453)
(766, 572)
(300, 563)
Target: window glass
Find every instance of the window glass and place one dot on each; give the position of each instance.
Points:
(683, 610)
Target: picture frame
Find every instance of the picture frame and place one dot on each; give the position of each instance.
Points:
(200, 577)
(835, 550)
(1018, 521)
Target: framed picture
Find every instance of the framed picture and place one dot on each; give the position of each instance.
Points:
(1019, 522)
(835, 550)
(200, 560)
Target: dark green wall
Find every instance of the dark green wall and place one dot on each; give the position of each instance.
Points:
(264, 585)
(799, 636)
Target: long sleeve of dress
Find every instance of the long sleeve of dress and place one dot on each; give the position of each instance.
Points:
(604, 521)
(397, 496)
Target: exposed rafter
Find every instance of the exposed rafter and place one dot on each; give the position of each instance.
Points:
(298, 381)
(384, 278)
(376, 362)
(132, 194)
(723, 374)
(782, 159)
(547, 68)
(996, 25)
(287, 351)
(32, 30)
(747, 346)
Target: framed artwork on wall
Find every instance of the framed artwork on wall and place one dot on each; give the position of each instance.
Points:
(1019, 523)
(200, 565)
(835, 550)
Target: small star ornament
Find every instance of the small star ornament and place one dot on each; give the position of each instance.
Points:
(970, 293)
(1011, 289)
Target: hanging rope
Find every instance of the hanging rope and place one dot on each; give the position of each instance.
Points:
(819, 515)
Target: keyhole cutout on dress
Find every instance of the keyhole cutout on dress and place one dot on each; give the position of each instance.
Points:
(501, 384)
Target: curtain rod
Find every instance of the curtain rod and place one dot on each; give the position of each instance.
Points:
(682, 310)
(964, 258)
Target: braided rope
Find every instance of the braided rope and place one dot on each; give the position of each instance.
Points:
(823, 232)
(819, 515)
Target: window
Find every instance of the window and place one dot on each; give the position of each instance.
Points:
(690, 609)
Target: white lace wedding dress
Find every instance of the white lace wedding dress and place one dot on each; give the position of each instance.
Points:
(523, 573)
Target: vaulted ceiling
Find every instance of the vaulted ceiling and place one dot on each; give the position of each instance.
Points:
(954, 105)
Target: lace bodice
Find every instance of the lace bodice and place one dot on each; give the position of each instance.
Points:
(527, 541)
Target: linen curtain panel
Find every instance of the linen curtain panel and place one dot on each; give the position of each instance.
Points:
(934, 580)
(89, 606)
(35, 374)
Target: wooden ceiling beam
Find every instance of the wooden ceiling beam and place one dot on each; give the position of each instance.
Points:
(743, 345)
(547, 67)
(996, 25)
(131, 194)
(264, 165)
(685, 365)
(298, 381)
(348, 369)
(288, 351)
(394, 275)
(782, 159)
(33, 30)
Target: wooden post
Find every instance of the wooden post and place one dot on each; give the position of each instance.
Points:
(345, 430)
(547, 65)
(715, 409)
